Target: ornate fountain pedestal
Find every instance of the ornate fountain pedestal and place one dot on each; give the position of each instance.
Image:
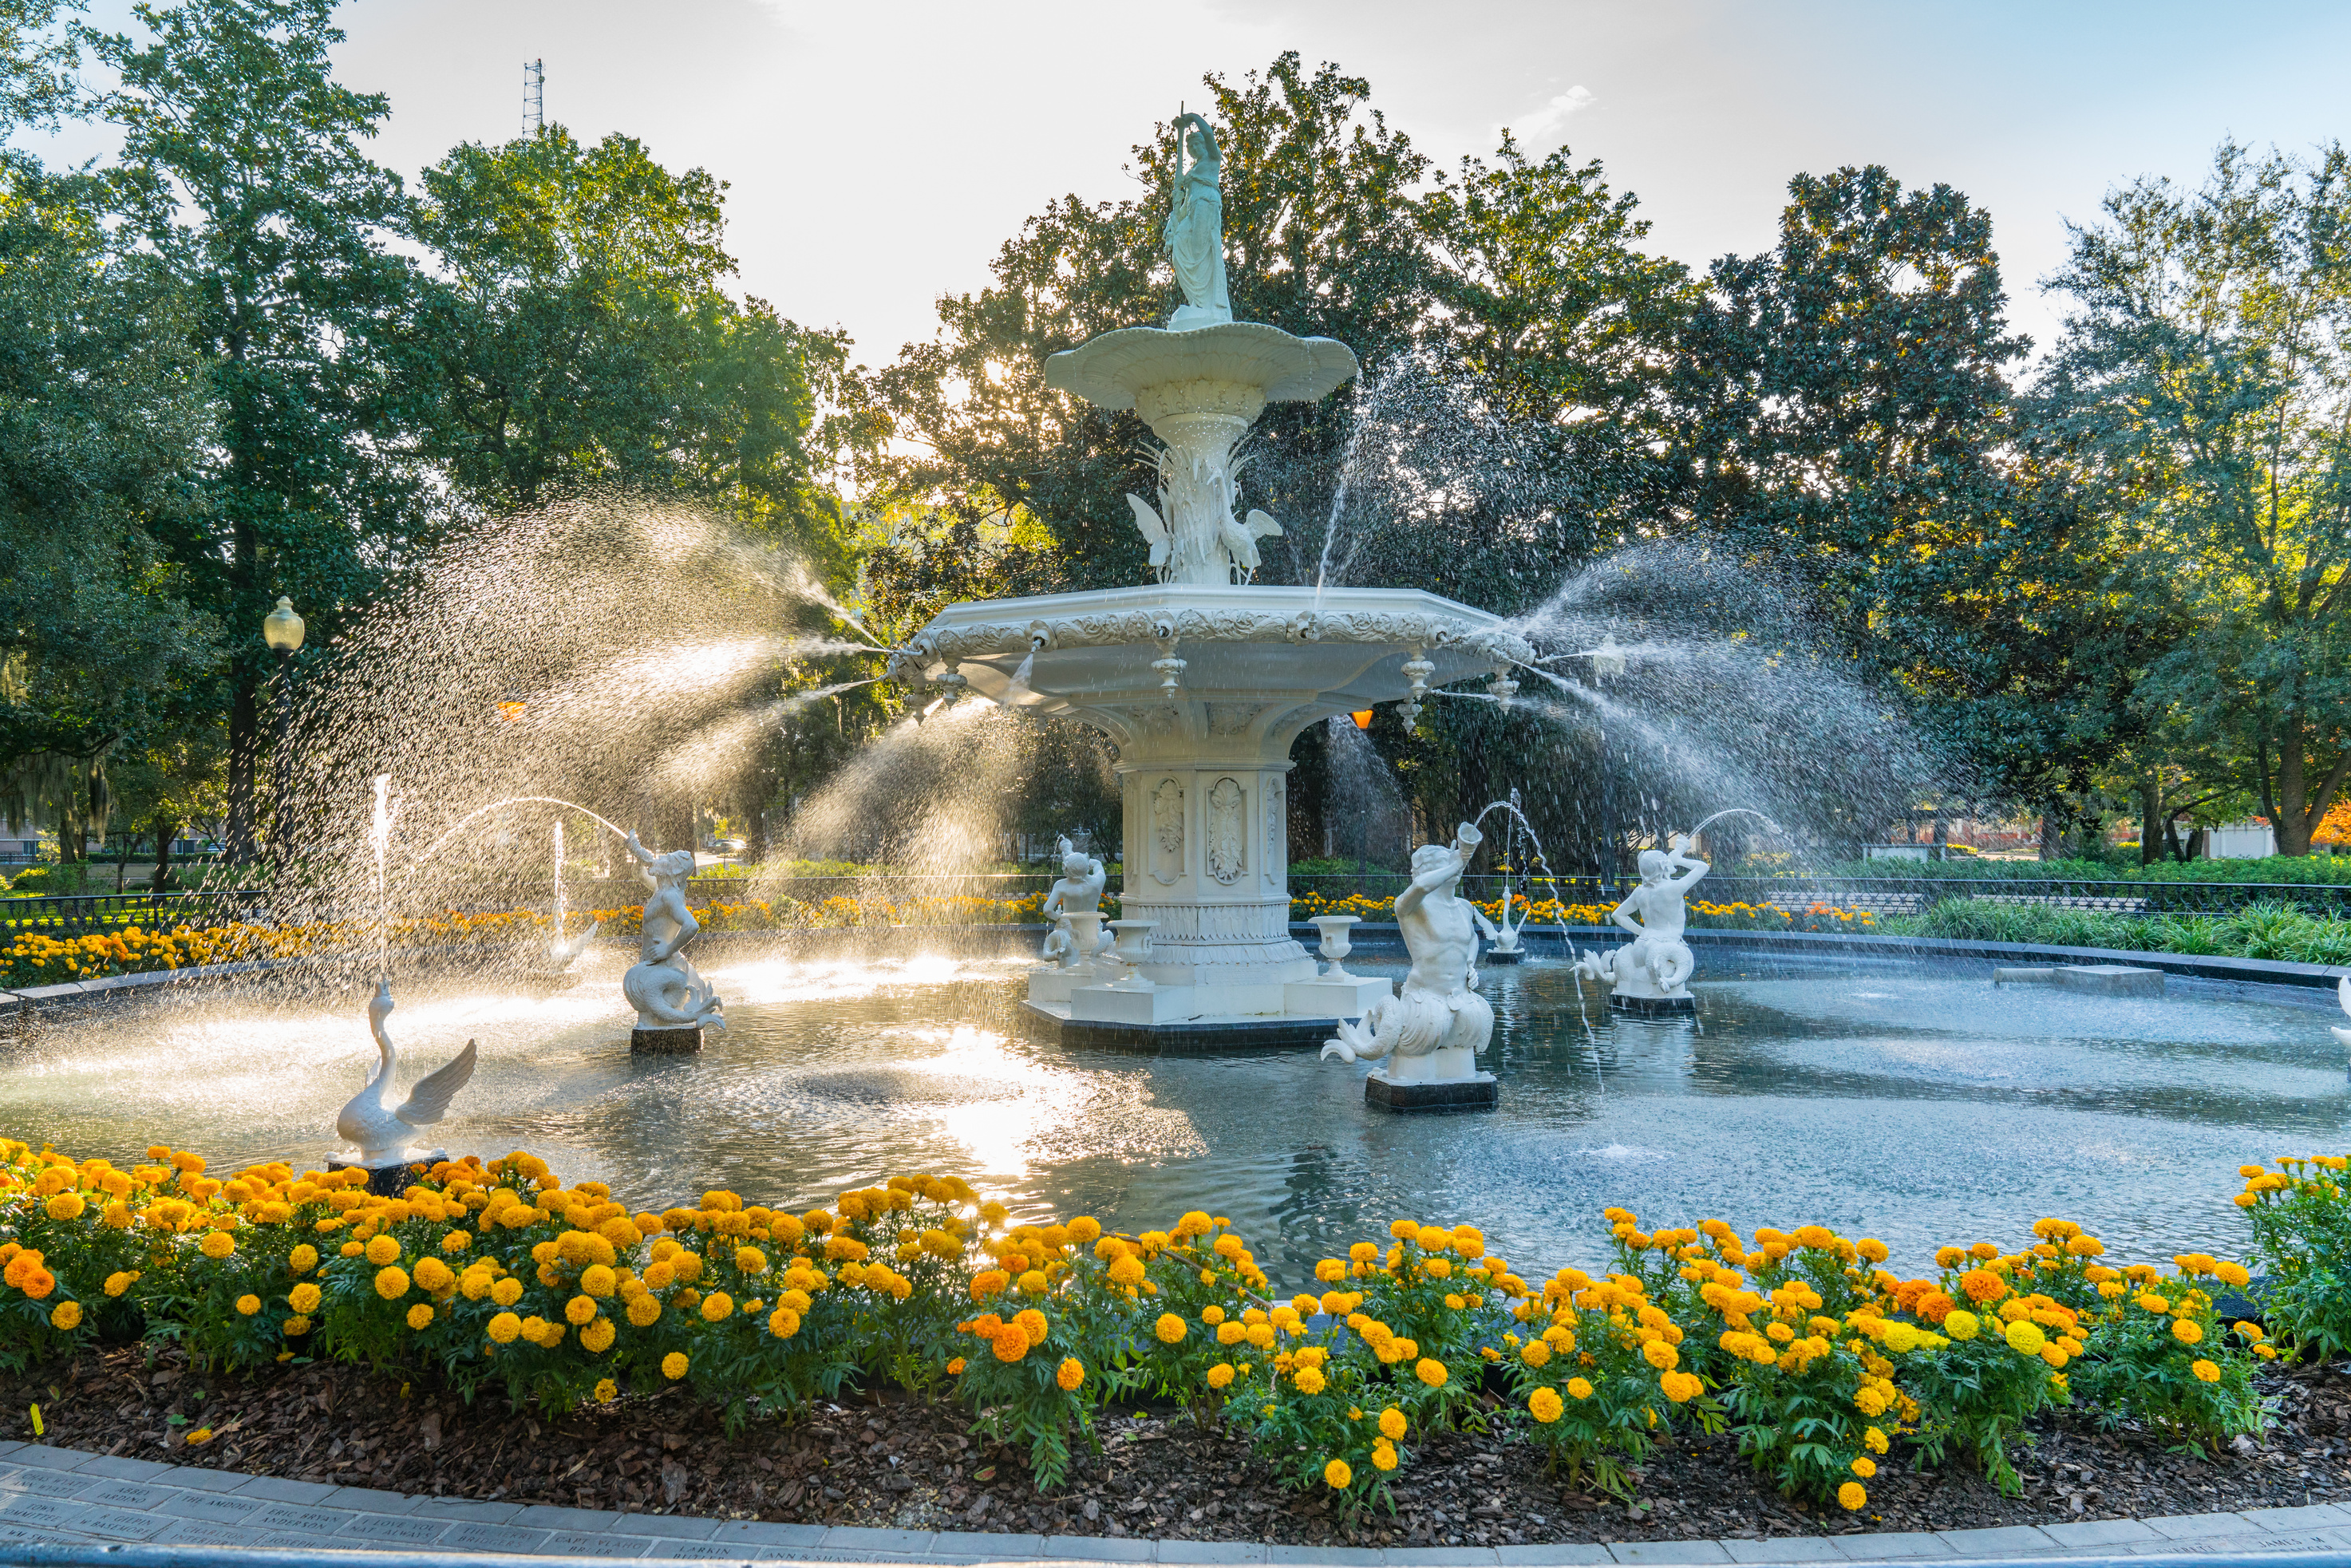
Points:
(665, 1041)
(1204, 689)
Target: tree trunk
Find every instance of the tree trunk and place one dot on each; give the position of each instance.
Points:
(2052, 836)
(166, 831)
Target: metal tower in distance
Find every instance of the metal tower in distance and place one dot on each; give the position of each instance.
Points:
(534, 96)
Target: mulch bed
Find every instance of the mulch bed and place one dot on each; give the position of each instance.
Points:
(887, 1460)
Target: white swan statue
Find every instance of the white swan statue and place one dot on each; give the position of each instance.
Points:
(563, 951)
(370, 1122)
(2343, 995)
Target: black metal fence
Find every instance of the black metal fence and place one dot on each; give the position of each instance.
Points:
(76, 915)
(80, 914)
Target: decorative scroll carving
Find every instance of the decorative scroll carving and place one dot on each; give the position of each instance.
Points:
(1228, 832)
(1168, 832)
(1232, 718)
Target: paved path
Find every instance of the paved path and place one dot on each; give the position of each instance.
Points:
(64, 1496)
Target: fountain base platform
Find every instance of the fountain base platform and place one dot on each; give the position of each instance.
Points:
(1190, 1037)
(1653, 1007)
(1482, 1092)
(665, 1041)
(391, 1180)
(1503, 955)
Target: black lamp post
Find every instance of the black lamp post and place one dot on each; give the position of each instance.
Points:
(282, 630)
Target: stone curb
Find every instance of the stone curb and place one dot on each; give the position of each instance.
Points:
(63, 1497)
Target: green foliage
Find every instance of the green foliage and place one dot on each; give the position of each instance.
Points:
(2203, 389)
(581, 339)
(2268, 930)
(2302, 1241)
(2175, 1368)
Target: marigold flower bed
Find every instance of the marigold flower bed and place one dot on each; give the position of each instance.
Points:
(1799, 1349)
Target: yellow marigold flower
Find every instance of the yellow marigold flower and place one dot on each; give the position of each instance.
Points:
(303, 1298)
(580, 1310)
(383, 1250)
(595, 1280)
(1681, 1387)
(2025, 1337)
(117, 1283)
(1546, 1405)
(1070, 1373)
(783, 1323)
(1384, 1456)
(750, 1260)
(1309, 1380)
(507, 1291)
(1431, 1372)
(1577, 1388)
(716, 1307)
(247, 1305)
(505, 1328)
(2232, 1274)
(606, 1391)
(2205, 1370)
(1875, 1440)
(1220, 1375)
(643, 1312)
(1338, 1475)
(455, 1241)
(67, 1315)
(392, 1283)
(2186, 1331)
(200, 1437)
(1851, 1496)
(418, 1316)
(66, 1206)
(954, 1367)
(1864, 1466)
(1661, 1356)
(673, 1365)
(1170, 1329)
(218, 1244)
(1962, 1325)
(598, 1335)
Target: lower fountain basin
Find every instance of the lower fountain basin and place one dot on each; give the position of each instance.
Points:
(1919, 1105)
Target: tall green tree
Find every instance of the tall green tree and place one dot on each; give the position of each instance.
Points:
(243, 165)
(2205, 379)
(580, 338)
(1848, 413)
(102, 420)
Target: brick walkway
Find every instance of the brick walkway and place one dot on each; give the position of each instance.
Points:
(63, 1496)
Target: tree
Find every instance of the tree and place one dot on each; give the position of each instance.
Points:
(102, 418)
(580, 339)
(242, 166)
(2206, 375)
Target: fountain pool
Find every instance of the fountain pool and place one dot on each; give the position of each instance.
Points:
(1916, 1105)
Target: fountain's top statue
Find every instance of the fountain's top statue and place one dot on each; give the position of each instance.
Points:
(1195, 232)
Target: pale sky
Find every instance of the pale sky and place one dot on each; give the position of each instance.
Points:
(879, 154)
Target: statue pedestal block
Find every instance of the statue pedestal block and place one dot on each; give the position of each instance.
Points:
(1480, 1092)
(1046, 985)
(1503, 955)
(1655, 1007)
(1114, 1004)
(1343, 998)
(389, 1181)
(665, 1041)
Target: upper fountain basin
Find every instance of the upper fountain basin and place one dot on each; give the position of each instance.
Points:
(1117, 369)
(1262, 660)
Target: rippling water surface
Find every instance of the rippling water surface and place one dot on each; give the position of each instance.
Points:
(1920, 1106)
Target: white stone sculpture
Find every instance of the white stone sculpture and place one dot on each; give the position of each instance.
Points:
(1656, 965)
(1194, 231)
(2343, 995)
(662, 985)
(1060, 949)
(376, 1127)
(563, 951)
(1432, 1032)
(1079, 891)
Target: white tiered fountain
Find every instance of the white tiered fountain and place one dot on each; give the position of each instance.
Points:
(1203, 677)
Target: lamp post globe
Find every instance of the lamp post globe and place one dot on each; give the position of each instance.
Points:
(282, 628)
